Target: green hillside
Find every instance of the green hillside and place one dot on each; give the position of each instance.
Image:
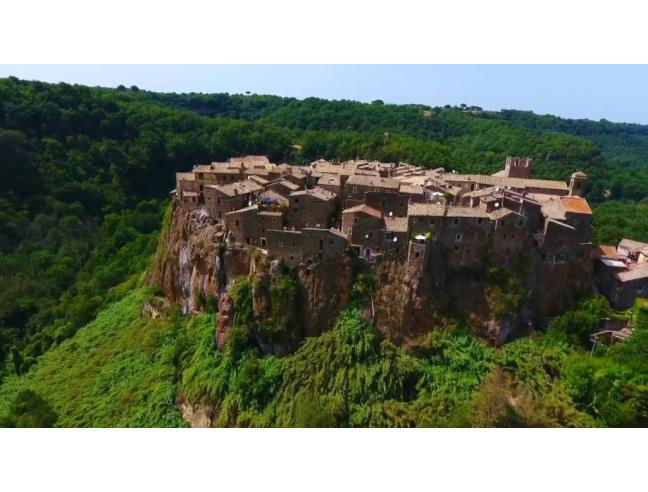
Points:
(125, 370)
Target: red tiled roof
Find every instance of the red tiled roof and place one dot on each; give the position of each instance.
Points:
(576, 205)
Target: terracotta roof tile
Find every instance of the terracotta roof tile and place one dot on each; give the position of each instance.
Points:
(365, 209)
(426, 209)
(576, 205)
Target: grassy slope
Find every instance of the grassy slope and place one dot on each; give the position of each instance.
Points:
(117, 371)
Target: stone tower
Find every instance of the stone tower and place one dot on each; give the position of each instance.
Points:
(518, 167)
(577, 183)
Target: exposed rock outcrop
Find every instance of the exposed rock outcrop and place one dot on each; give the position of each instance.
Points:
(192, 265)
(196, 414)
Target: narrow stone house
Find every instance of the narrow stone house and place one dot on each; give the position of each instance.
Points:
(285, 245)
(243, 225)
(465, 234)
(310, 208)
(365, 227)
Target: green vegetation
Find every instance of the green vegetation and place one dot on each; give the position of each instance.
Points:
(122, 370)
(86, 173)
(116, 371)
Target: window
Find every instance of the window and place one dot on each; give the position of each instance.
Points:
(331, 242)
(355, 189)
(371, 235)
(281, 244)
(432, 221)
(200, 176)
(414, 220)
(458, 237)
(237, 222)
(274, 220)
(417, 254)
(355, 220)
(263, 229)
(296, 200)
(388, 235)
(457, 248)
(520, 223)
(456, 222)
(294, 245)
(292, 257)
(218, 200)
(479, 221)
(295, 209)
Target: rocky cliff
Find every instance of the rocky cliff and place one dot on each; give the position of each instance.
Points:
(196, 269)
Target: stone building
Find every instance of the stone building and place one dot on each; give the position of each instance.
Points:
(465, 233)
(331, 182)
(359, 184)
(310, 208)
(283, 187)
(315, 244)
(621, 272)
(243, 225)
(366, 229)
(221, 199)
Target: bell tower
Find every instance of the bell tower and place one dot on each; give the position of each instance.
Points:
(577, 183)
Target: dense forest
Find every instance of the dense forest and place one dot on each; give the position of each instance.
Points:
(86, 176)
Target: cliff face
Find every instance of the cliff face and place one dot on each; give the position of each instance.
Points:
(413, 299)
(194, 268)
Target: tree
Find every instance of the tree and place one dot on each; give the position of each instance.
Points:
(29, 409)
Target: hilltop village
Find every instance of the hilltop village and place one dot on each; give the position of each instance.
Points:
(433, 240)
(314, 212)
